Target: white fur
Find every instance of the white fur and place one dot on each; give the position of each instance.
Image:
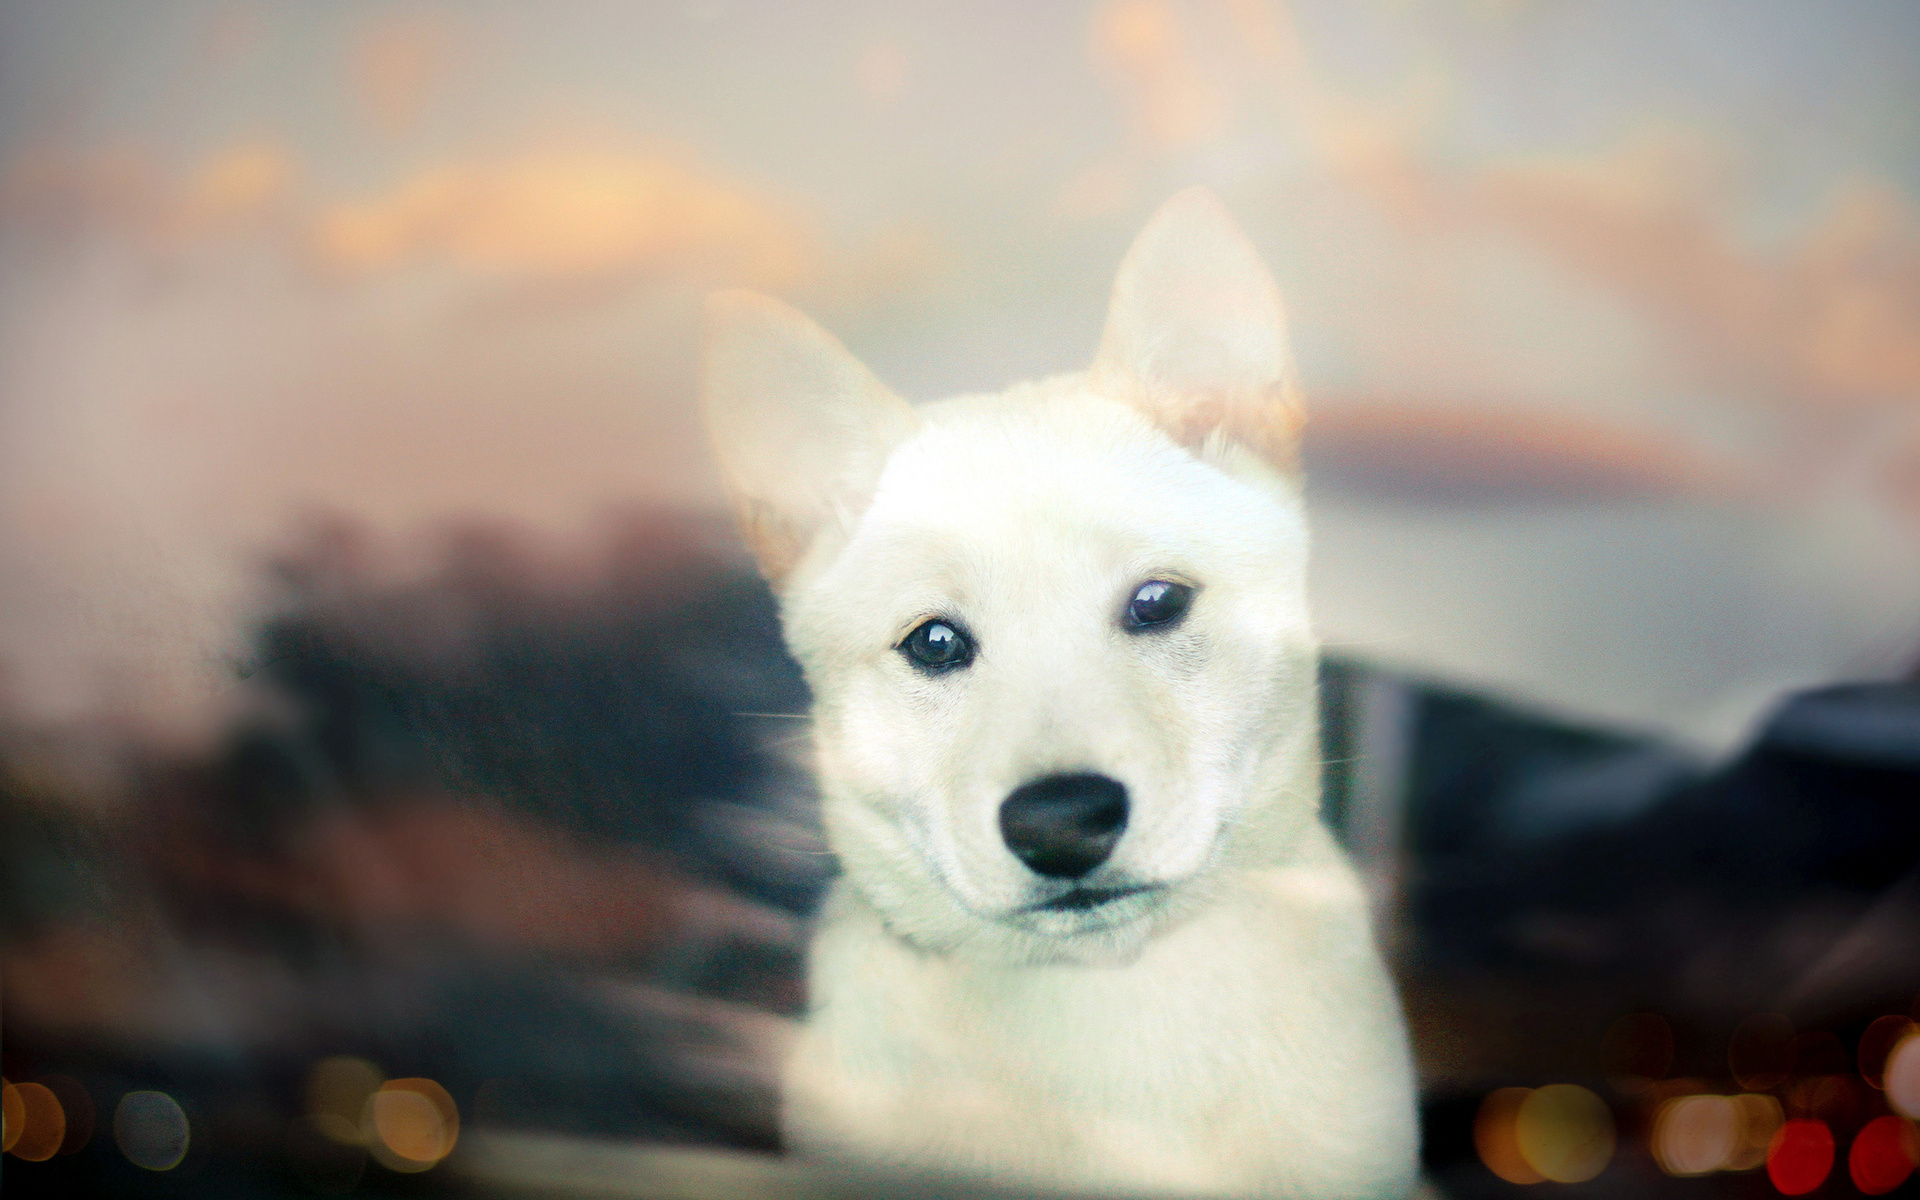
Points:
(1230, 1031)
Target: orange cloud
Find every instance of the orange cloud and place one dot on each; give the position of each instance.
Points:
(1858, 329)
(239, 182)
(548, 214)
(1191, 72)
(1827, 325)
(1643, 222)
(396, 65)
(569, 214)
(1141, 43)
(1402, 448)
(1900, 483)
(44, 189)
(121, 190)
(1832, 322)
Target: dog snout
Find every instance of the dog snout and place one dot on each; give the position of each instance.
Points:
(1064, 826)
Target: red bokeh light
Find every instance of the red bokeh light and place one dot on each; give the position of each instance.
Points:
(1800, 1156)
(1884, 1154)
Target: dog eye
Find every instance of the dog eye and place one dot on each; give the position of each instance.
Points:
(1157, 603)
(938, 646)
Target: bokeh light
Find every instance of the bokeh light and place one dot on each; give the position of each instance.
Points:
(1760, 1054)
(1565, 1132)
(43, 1123)
(1800, 1156)
(1884, 1155)
(1877, 1043)
(13, 1115)
(410, 1124)
(1902, 1078)
(151, 1129)
(1701, 1134)
(1695, 1135)
(1495, 1139)
(337, 1091)
(1638, 1047)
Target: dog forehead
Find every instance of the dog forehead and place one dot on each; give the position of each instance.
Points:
(1032, 504)
(1051, 458)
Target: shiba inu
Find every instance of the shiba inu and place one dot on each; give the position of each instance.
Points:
(1090, 932)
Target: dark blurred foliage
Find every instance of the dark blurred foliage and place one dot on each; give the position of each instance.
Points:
(1823, 810)
(528, 829)
(540, 830)
(1559, 879)
(613, 708)
(1580, 856)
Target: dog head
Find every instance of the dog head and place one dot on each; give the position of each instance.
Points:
(1057, 636)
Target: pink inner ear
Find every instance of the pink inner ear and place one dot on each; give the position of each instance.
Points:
(1268, 424)
(775, 546)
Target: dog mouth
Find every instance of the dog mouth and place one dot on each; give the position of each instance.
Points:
(1087, 899)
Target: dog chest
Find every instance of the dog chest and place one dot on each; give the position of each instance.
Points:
(1243, 1047)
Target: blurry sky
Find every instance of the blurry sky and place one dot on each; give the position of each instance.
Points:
(1609, 313)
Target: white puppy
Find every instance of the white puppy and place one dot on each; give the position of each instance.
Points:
(1090, 931)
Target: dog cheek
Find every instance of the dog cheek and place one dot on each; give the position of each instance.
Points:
(903, 774)
(1214, 752)
(948, 756)
(868, 741)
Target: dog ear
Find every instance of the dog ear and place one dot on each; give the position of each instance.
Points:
(800, 428)
(1196, 337)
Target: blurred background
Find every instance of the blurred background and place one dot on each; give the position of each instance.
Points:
(403, 789)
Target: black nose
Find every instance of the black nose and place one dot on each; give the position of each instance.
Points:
(1064, 825)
